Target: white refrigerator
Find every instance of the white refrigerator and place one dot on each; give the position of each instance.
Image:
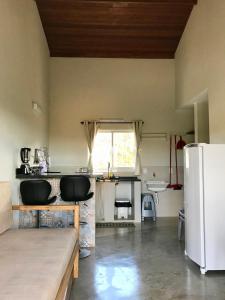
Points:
(204, 203)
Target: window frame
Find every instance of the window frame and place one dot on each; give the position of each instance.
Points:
(112, 168)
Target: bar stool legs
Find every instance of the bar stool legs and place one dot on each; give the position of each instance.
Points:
(181, 222)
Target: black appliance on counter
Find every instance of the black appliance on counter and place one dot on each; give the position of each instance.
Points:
(25, 158)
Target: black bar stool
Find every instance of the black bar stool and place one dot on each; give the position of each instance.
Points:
(75, 188)
(36, 192)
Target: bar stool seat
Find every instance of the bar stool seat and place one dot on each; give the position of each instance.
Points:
(36, 192)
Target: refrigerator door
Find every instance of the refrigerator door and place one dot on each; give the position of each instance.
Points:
(214, 204)
(193, 204)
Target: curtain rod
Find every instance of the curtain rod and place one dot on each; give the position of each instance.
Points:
(110, 122)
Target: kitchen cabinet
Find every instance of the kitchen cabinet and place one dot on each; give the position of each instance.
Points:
(105, 201)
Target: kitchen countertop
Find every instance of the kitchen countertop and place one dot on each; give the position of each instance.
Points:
(48, 175)
(59, 175)
(119, 178)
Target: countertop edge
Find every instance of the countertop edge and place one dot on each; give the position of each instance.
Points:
(58, 176)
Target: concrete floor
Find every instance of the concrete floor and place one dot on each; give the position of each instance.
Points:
(145, 263)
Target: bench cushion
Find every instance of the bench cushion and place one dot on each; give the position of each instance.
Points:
(33, 262)
(5, 207)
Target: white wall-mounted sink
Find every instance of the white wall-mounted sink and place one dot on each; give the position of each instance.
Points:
(155, 187)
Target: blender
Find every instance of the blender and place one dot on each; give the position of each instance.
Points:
(25, 158)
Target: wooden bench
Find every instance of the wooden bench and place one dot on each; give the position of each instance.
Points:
(36, 263)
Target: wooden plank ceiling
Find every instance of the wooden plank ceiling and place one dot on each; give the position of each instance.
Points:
(123, 29)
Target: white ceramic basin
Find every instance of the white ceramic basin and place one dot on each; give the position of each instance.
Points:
(156, 186)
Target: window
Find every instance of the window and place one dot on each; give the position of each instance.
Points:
(115, 147)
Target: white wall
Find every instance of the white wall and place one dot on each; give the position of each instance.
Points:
(117, 88)
(24, 61)
(201, 121)
(112, 88)
(200, 63)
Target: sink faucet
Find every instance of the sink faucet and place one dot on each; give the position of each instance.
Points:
(108, 168)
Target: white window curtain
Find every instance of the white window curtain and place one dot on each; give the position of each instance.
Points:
(138, 125)
(90, 129)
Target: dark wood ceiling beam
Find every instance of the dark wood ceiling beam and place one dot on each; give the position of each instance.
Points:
(111, 53)
(111, 32)
(102, 7)
(98, 51)
(108, 45)
(72, 3)
(119, 54)
(155, 23)
(113, 27)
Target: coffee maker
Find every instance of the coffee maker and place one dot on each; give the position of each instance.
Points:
(25, 158)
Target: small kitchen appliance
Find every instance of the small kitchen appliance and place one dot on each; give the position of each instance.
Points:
(41, 158)
(25, 158)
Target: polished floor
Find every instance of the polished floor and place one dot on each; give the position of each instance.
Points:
(144, 263)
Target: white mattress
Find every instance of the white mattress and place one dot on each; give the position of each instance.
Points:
(33, 262)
